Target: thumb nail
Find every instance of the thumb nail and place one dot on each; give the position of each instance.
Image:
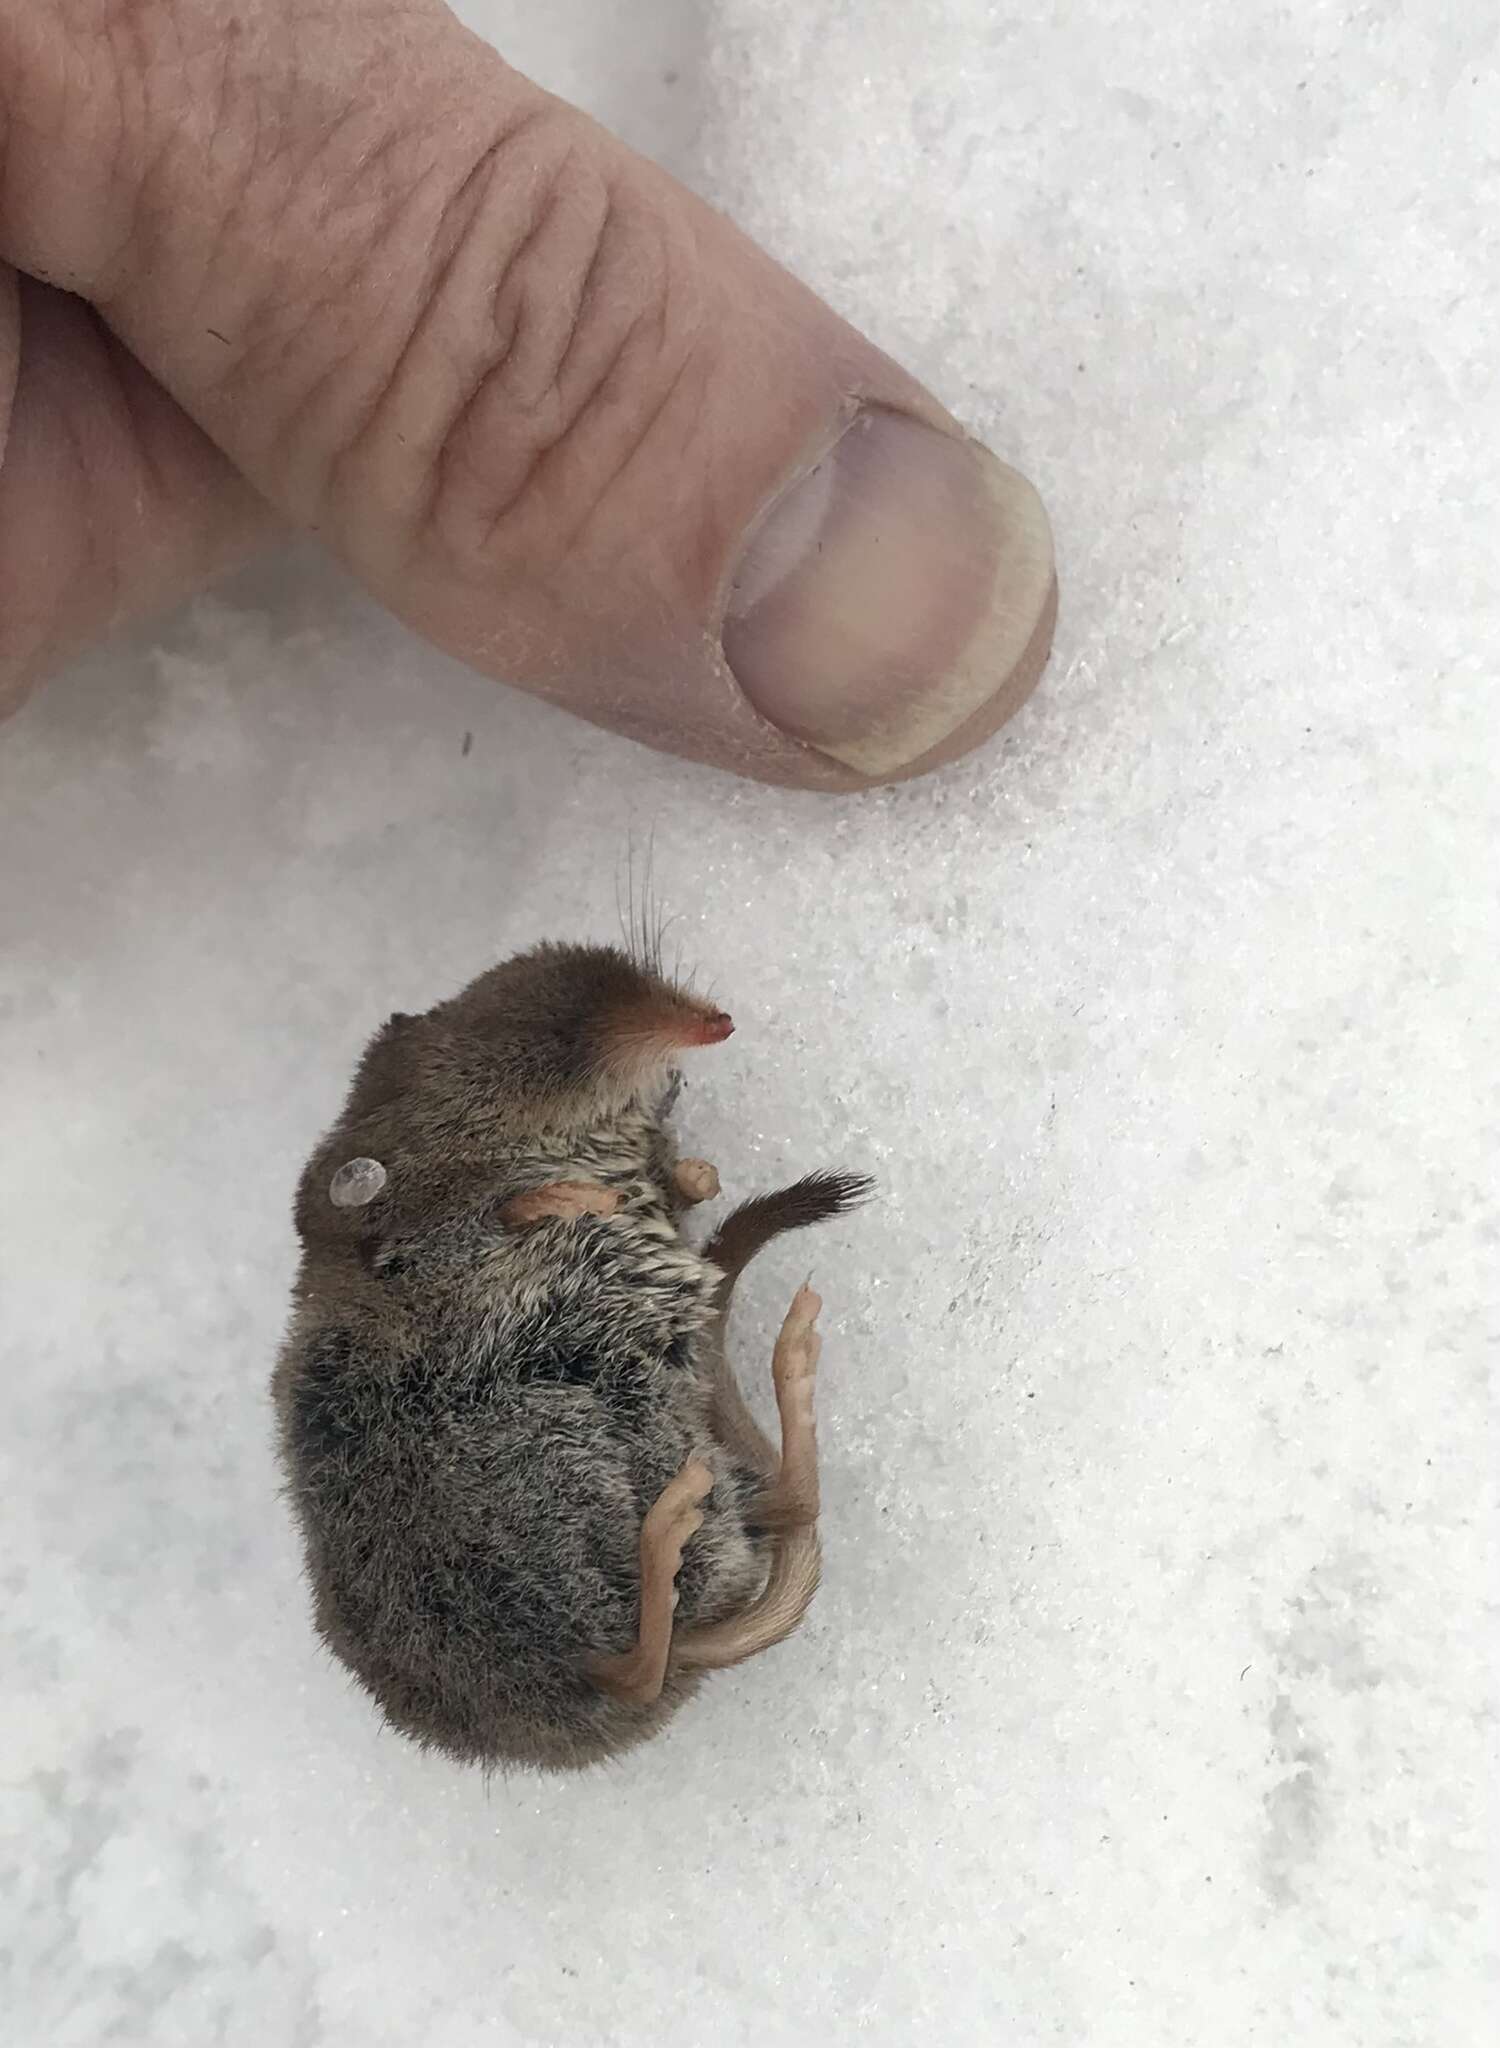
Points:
(895, 604)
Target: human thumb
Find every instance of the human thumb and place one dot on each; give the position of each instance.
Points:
(554, 411)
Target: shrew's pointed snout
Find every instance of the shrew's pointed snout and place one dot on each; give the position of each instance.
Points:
(716, 1026)
(651, 1026)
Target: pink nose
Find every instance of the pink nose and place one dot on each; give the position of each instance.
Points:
(715, 1028)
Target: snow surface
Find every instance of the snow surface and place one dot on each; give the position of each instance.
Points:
(1148, 1700)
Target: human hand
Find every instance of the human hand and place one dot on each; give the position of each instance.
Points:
(281, 263)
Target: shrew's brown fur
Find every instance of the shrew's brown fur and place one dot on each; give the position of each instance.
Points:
(477, 1414)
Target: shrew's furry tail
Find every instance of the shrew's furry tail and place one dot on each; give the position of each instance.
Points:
(750, 1227)
(743, 1233)
(797, 1558)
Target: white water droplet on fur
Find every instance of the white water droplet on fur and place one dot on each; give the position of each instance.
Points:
(357, 1181)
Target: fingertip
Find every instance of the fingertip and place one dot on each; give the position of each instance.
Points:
(896, 605)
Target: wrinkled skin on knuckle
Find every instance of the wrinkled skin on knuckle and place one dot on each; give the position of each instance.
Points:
(565, 334)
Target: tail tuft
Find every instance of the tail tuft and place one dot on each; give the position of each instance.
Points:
(813, 1199)
(818, 1196)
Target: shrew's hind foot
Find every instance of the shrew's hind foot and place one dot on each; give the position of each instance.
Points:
(674, 1517)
